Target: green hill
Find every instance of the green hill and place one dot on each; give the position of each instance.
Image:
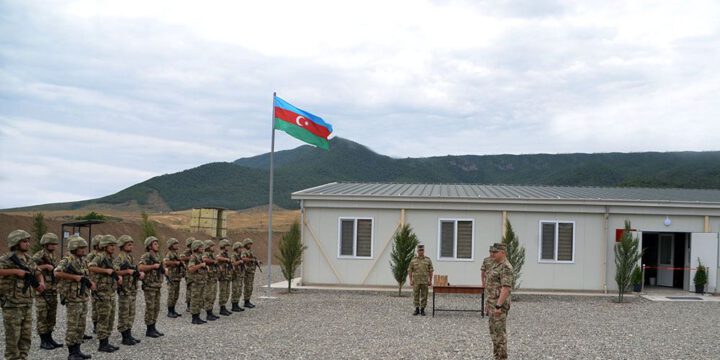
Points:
(244, 182)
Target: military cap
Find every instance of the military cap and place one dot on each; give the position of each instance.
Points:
(172, 241)
(237, 245)
(247, 242)
(197, 244)
(189, 241)
(492, 248)
(107, 240)
(421, 247)
(209, 243)
(500, 247)
(124, 239)
(224, 243)
(17, 236)
(95, 241)
(49, 238)
(75, 242)
(150, 240)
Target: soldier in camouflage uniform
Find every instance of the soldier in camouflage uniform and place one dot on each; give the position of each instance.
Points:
(224, 276)
(152, 267)
(108, 280)
(238, 276)
(94, 243)
(127, 293)
(211, 279)
(420, 272)
(175, 273)
(497, 304)
(488, 263)
(185, 258)
(251, 263)
(46, 305)
(196, 274)
(16, 298)
(74, 287)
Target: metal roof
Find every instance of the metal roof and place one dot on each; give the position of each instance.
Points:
(507, 192)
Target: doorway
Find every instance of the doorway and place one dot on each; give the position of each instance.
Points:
(666, 259)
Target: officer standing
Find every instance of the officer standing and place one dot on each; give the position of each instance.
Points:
(497, 304)
(196, 274)
(94, 251)
(211, 280)
(237, 277)
(421, 273)
(176, 271)
(107, 281)
(487, 263)
(128, 292)
(186, 258)
(17, 273)
(150, 264)
(224, 276)
(75, 287)
(46, 305)
(251, 263)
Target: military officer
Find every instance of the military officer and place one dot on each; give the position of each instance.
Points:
(186, 258)
(238, 276)
(487, 263)
(251, 263)
(420, 272)
(74, 287)
(94, 243)
(17, 273)
(151, 265)
(127, 293)
(497, 303)
(46, 305)
(211, 280)
(175, 273)
(107, 282)
(196, 273)
(224, 276)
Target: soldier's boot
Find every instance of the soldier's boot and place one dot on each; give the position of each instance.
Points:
(152, 332)
(87, 337)
(126, 339)
(175, 312)
(417, 311)
(210, 316)
(52, 341)
(422, 311)
(171, 313)
(236, 307)
(75, 354)
(157, 331)
(82, 354)
(113, 346)
(45, 344)
(105, 346)
(197, 320)
(248, 304)
(224, 311)
(137, 341)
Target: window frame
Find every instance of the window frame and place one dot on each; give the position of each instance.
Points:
(355, 234)
(556, 241)
(455, 236)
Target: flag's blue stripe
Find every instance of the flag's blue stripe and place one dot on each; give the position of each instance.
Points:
(316, 119)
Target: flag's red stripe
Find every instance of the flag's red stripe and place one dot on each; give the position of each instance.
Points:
(291, 117)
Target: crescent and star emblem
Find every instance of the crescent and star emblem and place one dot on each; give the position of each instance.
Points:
(301, 121)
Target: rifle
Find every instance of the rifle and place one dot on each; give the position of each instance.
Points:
(160, 270)
(29, 279)
(85, 283)
(107, 264)
(257, 263)
(46, 261)
(135, 275)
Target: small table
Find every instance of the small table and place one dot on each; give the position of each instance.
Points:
(460, 289)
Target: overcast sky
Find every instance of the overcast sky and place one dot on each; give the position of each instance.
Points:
(96, 96)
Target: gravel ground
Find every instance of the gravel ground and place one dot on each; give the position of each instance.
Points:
(370, 325)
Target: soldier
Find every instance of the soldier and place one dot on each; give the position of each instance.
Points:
(421, 273)
(46, 309)
(497, 304)
(107, 282)
(127, 293)
(196, 273)
(175, 273)
(74, 288)
(154, 271)
(238, 276)
(224, 276)
(17, 274)
(211, 280)
(186, 258)
(251, 263)
(488, 262)
(94, 243)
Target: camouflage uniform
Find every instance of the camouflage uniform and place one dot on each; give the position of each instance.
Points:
(224, 278)
(175, 275)
(88, 258)
(46, 304)
(188, 282)
(249, 278)
(197, 281)
(151, 288)
(70, 295)
(211, 280)
(488, 263)
(105, 291)
(420, 268)
(16, 303)
(127, 296)
(498, 276)
(238, 275)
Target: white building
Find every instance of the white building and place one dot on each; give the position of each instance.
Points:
(568, 232)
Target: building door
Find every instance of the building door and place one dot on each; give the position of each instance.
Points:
(666, 254)
(704, 246)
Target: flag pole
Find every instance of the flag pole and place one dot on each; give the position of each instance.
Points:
(270, 203)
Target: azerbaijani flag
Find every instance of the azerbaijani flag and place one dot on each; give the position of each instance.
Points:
(301, 124)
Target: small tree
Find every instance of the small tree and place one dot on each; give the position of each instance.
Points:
(148, 227)
(92, 216)
(39, 228)
(627, 256)
(404, 244)
(290, 257)
(515, 253)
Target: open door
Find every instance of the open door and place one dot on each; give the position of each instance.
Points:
(666, 254)
(705, 247)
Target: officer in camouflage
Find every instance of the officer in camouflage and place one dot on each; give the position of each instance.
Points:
(420, 272)
(127, 293)
(185, 258)
(94, 250)
(497, 304)
(197, 269)
(211, 279)
(175, 273)
(46, 305)
(251, 263)
(74, 287)
(224, 276)
(487, 263)
(151, 265)
(16, 297)
(108, 280)
(238, 276)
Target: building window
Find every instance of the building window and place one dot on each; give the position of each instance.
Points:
(557, 241)
(455, 240)
(356, 237)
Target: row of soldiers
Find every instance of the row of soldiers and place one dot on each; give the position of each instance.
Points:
(108, 280)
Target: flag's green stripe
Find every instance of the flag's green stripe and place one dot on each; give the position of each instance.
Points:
(301, 134)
